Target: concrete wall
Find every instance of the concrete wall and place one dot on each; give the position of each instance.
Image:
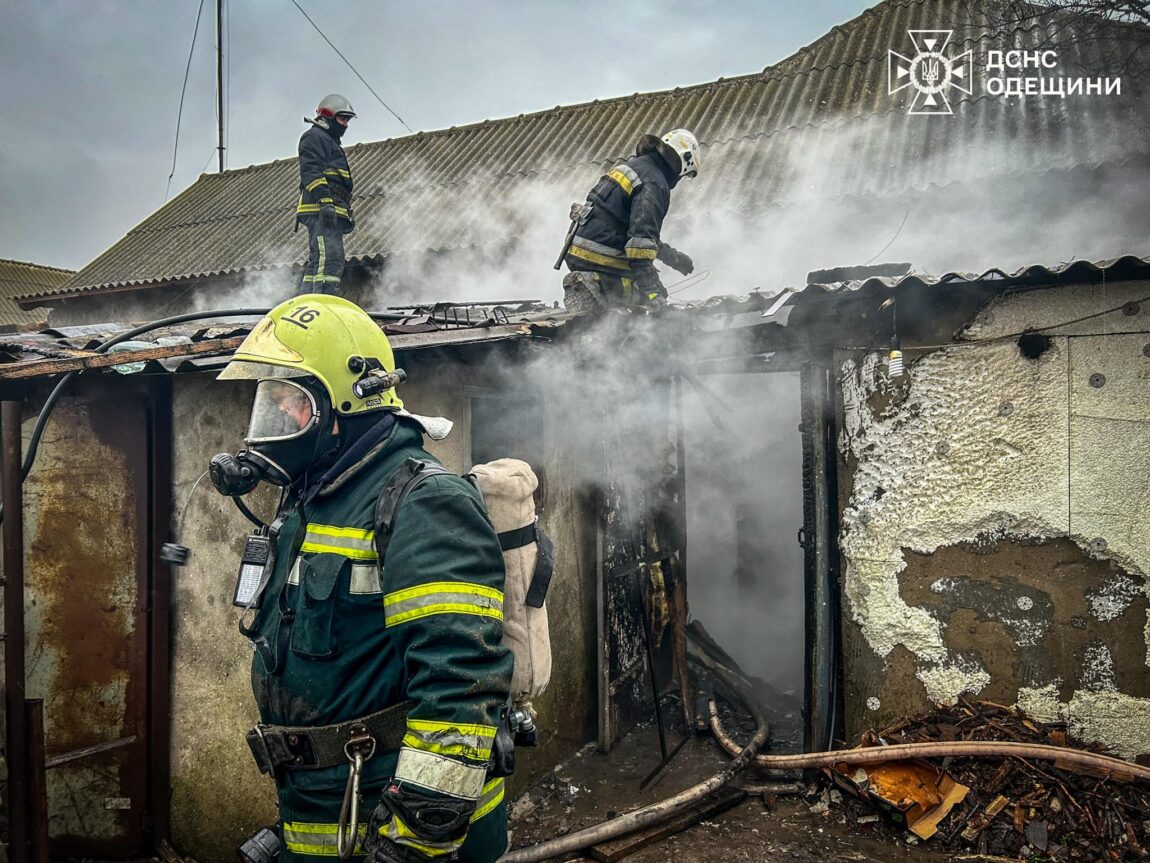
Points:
(995, 528)
(218, 797)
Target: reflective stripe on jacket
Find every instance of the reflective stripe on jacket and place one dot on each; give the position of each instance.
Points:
(324, 174)
(628, 205)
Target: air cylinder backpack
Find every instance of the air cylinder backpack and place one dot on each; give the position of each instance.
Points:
(507, 487)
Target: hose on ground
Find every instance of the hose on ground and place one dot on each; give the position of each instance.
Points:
(1066, 758)
(664, 809)
(1070, 759)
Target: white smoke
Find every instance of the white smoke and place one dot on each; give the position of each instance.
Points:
(485, 245)
(838, 198)
(833, 195)
(744, 511)
(980, 207)
(258, 288)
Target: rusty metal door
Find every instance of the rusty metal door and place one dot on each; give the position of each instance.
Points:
(88, 557)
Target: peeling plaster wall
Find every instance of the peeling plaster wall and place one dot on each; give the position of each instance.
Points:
(995, 532)
(218, 796)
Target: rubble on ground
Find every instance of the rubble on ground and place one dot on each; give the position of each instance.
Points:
(1005, 808)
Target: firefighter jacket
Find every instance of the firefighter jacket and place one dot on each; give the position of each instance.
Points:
(628, 205)
(349, 639)
(324, 175)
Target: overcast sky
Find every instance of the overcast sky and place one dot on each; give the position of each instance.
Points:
(91, 87)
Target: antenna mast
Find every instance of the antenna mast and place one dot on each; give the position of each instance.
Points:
(220, 78)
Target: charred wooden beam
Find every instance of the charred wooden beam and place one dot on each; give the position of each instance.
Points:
(39, 368)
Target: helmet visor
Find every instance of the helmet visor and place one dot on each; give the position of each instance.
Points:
(282, 410)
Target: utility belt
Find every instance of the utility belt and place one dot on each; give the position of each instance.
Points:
(354, 743)
(319, 746)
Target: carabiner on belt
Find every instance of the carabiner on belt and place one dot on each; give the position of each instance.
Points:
(358, 749)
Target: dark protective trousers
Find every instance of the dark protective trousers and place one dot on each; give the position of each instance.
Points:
(586, 291)
(325, 260)
(309, 806)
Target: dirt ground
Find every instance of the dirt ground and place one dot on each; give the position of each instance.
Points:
(593, 786)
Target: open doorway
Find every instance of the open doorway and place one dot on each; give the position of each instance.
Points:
(745, 567)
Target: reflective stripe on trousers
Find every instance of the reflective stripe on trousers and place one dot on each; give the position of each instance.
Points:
(311, 840)
(324, 268)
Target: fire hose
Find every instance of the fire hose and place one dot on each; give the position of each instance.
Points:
(662, 810)
(1065, 758)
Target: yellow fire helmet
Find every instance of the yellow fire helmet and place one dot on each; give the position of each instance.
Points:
(325, 336)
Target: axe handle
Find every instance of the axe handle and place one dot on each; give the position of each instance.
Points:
(567, 243)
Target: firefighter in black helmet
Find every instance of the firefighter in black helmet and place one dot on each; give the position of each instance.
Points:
(324, 206)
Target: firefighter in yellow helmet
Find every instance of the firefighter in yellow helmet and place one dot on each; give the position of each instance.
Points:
(392, 676)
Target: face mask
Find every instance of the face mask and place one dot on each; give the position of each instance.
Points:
(290, 431)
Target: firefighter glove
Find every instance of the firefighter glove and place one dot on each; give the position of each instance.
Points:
(328, 217)
(646, 279)
(431, 820)
(676, 260)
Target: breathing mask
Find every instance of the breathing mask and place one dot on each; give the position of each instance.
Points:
(291, 430)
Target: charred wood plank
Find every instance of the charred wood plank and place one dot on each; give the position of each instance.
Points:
(39, 368)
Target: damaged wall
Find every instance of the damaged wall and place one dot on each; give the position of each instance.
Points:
(218, 796)
(995, 509)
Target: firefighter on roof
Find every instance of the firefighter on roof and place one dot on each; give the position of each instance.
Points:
(614, 239)
(325, 185)
(384, 683)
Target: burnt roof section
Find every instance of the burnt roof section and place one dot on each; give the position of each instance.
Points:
(18, 278)
(820, 308)
(435, 190)
(1034, 275)
(191, 346)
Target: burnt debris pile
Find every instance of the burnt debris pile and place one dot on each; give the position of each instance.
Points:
(1012, 807)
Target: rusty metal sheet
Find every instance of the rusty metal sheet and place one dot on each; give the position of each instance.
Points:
(86, 511)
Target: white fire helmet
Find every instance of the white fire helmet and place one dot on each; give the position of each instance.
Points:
(686, 147)
(332, 105)
(679, 147)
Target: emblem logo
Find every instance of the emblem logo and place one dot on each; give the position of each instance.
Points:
(931, 72)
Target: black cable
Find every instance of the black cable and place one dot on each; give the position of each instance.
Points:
(1015, 335)
(248, 514)
(58, 390)
(183, 92)
(353, 69)
(892, 239)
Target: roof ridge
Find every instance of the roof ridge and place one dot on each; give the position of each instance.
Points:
(37, 266)
(745, 77)
(768, 74)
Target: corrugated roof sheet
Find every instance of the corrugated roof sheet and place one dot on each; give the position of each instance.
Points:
(445, 325)
(1127, 267)
(65, 349)
(435, 191)
(18, 278)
